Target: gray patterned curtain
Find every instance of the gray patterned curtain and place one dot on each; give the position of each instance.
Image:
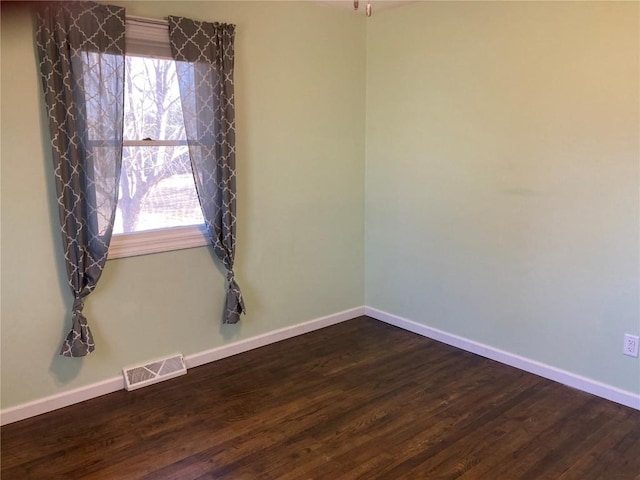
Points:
(81, 53)
(204, 58)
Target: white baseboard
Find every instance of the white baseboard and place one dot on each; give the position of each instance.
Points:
(60, 400)
(64, 399)
(235, 348)
(588, 385)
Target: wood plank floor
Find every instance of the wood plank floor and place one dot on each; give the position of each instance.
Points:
(358, 400)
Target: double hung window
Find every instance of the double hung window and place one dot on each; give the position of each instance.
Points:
(158, 207)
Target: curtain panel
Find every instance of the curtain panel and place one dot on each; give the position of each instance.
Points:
(81, 56)
(204, 55)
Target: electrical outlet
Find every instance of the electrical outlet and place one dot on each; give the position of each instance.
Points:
(630, 345)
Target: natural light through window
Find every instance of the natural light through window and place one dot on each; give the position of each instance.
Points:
(157, 190)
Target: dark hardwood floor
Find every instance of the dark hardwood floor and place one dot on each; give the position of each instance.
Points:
(361, 399)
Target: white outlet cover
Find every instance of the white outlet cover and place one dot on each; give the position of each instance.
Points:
(630, 346)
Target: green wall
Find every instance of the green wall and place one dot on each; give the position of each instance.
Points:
(499, 189)
(300, 255)
(502, 181)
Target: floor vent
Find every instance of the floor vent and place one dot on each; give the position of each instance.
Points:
(154, 372)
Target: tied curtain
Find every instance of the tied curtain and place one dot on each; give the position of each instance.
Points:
(81, 49)
(204, 56)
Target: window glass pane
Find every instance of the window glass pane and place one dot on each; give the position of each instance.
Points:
(152, 100)
(156, 190)
(102, 93)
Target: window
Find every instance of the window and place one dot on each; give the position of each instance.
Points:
(158, 208)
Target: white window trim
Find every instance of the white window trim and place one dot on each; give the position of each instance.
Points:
(154, 143)
(156, 241)
(150, 37)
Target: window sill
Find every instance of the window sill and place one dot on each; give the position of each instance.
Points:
(156, 241)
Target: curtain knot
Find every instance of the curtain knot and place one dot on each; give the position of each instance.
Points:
(78, 306)
(79, 341)
(230, 276)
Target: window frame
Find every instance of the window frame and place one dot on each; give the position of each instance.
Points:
(150, 38)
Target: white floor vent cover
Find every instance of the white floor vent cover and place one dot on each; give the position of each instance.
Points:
(143, 375)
